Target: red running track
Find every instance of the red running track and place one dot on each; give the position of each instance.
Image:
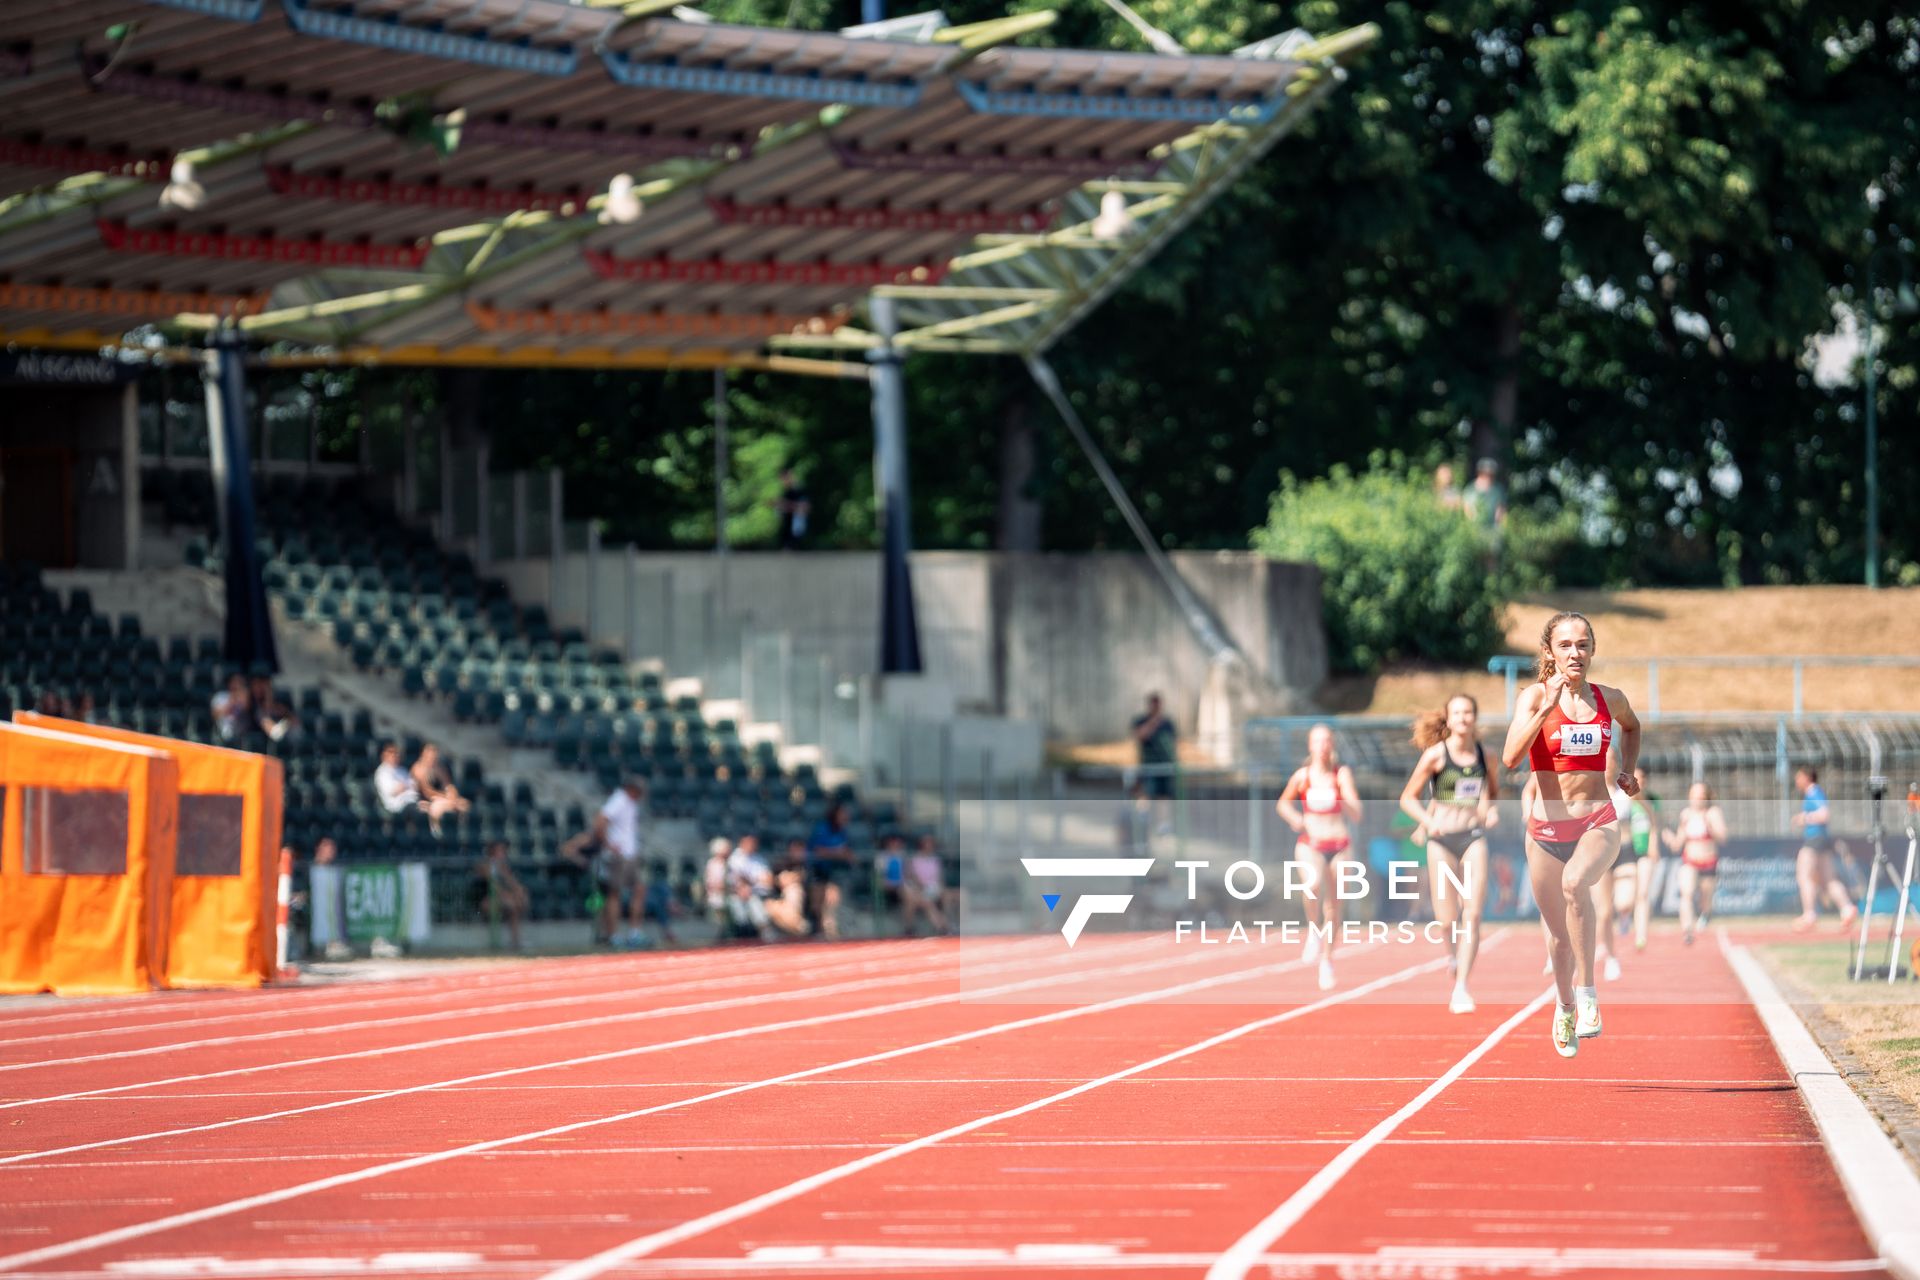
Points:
(996, 1106)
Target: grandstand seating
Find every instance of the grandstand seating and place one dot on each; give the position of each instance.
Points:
(398, 604)
(51, 645)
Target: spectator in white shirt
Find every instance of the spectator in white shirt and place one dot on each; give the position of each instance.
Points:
(618, 826)
(395, 784)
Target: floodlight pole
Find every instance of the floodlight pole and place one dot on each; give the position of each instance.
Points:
(899, 630)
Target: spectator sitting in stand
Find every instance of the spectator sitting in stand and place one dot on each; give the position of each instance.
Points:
(749, 885)
(925, 889)
(787, 909)
(393, 783)
(83, 709)
(275, 718)
(498, 893)
(830, 868)
(436, 788)
(233, 709)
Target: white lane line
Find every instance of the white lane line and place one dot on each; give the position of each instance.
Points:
(642, 1246)
(837, 1260)
(1273, 1143)
(1245, 1252)
(505, 1033)
(1881, 1184)
(433, 983)
(228, 1208)
(436, 1015)
(735, 964)
(612, 1055)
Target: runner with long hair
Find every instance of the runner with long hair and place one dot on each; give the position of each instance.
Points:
(1319, 802)
(1701, 832)
(1570, 730)
(1451, 794)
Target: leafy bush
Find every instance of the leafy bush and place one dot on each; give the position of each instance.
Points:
(1404, 577)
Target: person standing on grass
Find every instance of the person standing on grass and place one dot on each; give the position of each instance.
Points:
(1157, 741)
(1813, 865)
(1569, 730)
(1319, 802)
(1702, 830)
(1451, 794)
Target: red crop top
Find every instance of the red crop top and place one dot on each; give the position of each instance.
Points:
(1573, 746)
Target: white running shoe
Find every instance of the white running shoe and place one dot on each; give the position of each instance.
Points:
(1566, 1042)
(1326, 974)
(1312, 951)
(1461, 1002)
(1611, 970)
(1589, 1017)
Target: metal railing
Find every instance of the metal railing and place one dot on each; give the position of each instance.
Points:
(1513, 666)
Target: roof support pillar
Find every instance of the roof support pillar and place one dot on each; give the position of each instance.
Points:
(899, 630)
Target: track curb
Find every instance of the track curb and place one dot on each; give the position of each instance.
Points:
(1881, 1184)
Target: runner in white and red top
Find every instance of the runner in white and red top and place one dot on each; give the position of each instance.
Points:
(1319, 801)
(1568, 729)
(1697, 838)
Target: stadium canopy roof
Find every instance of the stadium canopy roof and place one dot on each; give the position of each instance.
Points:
(427, 181)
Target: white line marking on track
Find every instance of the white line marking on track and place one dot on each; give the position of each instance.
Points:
(1405, 1264)
(611, 1055)
(1267, 1143)
(475, 1037)
(847, 964)
(228, 1208)
(729, 966)
(647, 1244)
(428, 985)
(1247, 1250)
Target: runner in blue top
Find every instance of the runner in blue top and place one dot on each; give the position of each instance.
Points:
(1813, 868)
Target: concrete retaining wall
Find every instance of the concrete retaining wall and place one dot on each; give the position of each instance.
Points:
(1068, 641)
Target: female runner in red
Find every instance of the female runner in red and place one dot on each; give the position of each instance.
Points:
(1451, 794)
(1567, 728)
(1318, 802)
(1702, 830)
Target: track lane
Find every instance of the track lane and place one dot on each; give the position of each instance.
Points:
(990, 1019)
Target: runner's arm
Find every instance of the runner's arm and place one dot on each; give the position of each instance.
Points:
(1411, 803)
(1626, 739)
(1287, 807)
(1529, 713)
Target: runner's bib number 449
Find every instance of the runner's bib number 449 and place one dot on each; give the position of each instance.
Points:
(1580, 740)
